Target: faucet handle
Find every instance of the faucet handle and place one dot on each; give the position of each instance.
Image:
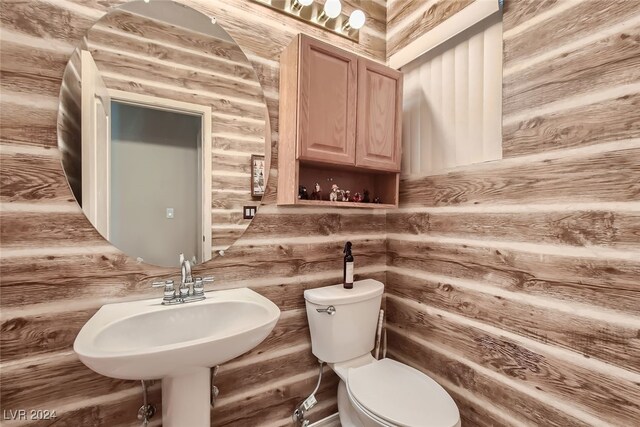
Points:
(161, 283)
(198, 285)
(169, 290)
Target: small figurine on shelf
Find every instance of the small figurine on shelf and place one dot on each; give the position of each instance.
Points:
(365, 196)
(333, 196)
(317, 192)
(302, 192)
(340, 195)
(347, 196)
(377, 200)
(357, 198)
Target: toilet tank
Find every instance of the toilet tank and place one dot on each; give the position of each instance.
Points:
(350, 331)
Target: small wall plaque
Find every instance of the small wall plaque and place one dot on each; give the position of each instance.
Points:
(258, 179)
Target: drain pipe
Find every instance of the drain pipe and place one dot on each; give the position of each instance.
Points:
(146, 411)
(298, 415)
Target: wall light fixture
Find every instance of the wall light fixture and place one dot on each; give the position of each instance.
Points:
(327, 15)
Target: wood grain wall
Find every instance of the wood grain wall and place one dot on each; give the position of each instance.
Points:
(409, 19)
(515, 283)
(512, 283)
(57, 270)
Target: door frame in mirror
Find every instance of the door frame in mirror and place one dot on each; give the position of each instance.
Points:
(96, 142)
(204, 154)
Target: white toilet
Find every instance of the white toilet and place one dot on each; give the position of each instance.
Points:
(371, 392)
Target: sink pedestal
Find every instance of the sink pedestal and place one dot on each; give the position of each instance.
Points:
(185, 399)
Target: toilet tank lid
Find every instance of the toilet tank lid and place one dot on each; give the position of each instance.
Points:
(337, 294)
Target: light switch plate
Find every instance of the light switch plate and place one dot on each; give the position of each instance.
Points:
(170, 213)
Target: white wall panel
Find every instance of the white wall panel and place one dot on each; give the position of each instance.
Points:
(453, 102)
(492, 129)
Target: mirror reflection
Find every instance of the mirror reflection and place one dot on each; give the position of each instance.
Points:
(164, 132)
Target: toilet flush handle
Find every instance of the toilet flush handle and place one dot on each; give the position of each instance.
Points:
(331, 310)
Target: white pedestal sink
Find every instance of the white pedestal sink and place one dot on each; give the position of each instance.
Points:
(142, 340)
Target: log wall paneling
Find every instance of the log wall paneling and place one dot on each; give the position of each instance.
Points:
(56, 271)
(409, 19)
(515, 282)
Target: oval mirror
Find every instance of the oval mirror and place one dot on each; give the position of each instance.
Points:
(164, 132)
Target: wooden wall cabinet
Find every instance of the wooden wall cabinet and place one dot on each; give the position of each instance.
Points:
(340, 122)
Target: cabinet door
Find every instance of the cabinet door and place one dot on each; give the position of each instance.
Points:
(327, 103)
(379, 116)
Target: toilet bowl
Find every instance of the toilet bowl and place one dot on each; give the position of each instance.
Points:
(371, 392)
(388, 393)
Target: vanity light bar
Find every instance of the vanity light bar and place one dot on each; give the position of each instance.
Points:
(328, 16)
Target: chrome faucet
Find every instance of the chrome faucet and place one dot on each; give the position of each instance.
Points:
(185, 266)
(190, 290)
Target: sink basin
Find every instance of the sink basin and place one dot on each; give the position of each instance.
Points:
(142, 340)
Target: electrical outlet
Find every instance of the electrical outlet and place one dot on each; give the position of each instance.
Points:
(248, 212)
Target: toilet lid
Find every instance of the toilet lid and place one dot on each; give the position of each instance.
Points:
(401, 395)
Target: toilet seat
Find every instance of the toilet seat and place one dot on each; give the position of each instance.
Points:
(379, 421)
(394, 394)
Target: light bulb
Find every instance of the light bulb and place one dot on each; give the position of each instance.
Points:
(356, 20)
(332, 8)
